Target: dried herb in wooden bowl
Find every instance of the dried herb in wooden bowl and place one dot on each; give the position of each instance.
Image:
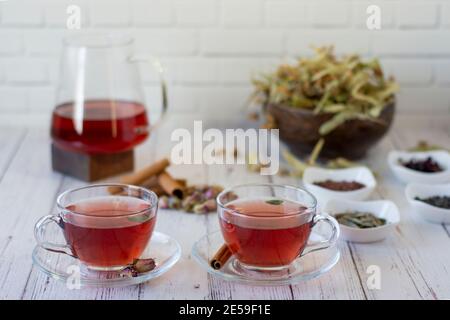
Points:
(347, 87)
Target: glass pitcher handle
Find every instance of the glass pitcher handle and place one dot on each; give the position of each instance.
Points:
(319, 245)
(159, 68)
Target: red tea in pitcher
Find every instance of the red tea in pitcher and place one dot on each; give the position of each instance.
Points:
(99, 126)
(264, 232)
(105, 233)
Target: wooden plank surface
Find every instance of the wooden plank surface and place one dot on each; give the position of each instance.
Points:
(414, 262)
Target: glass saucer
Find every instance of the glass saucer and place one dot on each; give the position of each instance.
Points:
(165, 250)
(304, 268)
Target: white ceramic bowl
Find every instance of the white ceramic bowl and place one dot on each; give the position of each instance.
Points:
(380, 208)
(427, 211)
(360, 174)
(408, 175)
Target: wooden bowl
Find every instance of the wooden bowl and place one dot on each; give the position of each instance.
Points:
(299, 129)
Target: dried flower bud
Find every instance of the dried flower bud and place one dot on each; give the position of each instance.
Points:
(205, 207)
(163, 202)
(128, 272)
(144, 265)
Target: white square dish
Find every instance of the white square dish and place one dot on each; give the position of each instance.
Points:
(359, 174)
(408, 175)
(380, 208)
(427, 211)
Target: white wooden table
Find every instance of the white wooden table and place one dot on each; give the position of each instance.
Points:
(414, 261)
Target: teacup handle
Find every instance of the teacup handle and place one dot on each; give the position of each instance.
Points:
(159, 68)
(40, 231)
(325, 243)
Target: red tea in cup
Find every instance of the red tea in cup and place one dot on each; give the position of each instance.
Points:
(114, 241)
(265, 234)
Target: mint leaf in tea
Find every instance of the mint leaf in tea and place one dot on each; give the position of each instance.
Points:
(275, 202)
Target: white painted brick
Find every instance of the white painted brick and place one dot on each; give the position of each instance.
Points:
(416, 15)
(166, 42)
(209, 69)
(183, 71)
(242, 42)
(330, 14)
(238, 13)
(13, 99)
(196, 12)
(424, 99)
(150, 76)
(409, 72)
(11, 42)
(195, 71)
(26, 71)
(153, 103)
(287, 13)
(152, 13)
(224, 100)
(42, 99)
(54, 67)
(443, 72)
(185, 99)
(21, 13)
(300, 42)
(360, 15)
(110, 13)
(411, 43)
(56, 13)
(242, 70)
(44, 42)
(445, 14)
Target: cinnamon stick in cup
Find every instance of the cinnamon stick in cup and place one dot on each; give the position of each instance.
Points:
(221, 257)
(170, 185)
(140, 176)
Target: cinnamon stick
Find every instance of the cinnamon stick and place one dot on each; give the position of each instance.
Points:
(140, 176)
(155, 187)
(170, 185)
(221, 257)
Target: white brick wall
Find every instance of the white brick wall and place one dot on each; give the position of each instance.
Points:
(211, 48)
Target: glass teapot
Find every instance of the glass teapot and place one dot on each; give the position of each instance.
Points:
(100, 103)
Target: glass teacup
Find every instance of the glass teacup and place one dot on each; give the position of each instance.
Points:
(267, 226)
(105, 230)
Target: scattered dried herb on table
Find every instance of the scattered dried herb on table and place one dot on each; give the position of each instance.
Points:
(197, 199)
(437, 201)
(426, 146)
(340, 185)
(361, 220)
(428, 165)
